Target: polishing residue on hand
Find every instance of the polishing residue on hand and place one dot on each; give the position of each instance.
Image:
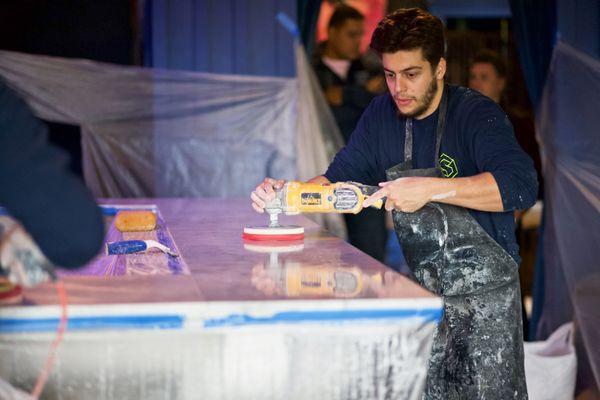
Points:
(441, 196)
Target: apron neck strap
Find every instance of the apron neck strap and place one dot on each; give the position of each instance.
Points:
(441, 124)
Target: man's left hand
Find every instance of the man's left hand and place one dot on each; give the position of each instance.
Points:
(403, 194)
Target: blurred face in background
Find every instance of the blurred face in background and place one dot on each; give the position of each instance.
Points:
(484, 78)
(344, 40)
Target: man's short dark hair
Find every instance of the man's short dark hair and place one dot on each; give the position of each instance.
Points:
(342, 13)
(410, 29)
(490, 57)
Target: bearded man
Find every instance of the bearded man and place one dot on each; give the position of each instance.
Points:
(452, 173)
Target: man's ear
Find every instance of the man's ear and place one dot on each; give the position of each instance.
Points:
(440, 71)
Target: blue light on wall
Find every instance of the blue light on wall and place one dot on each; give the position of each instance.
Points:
(220, 36)
(470, 8)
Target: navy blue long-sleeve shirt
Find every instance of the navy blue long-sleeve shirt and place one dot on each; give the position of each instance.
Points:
(37, 189)
(478, 138)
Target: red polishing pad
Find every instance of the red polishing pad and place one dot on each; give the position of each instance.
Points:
(280, 233)
(267, 246)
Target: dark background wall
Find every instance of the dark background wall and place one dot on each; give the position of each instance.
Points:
(102, 30)
(220, 36)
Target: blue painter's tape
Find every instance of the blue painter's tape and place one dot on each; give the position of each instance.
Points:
(11, 325)
(291, 317)
(8, 325)
(288, 24)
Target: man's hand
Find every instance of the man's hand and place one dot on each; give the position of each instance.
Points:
(20, 257)
(265, 192)
(403, 194)
(478, 192)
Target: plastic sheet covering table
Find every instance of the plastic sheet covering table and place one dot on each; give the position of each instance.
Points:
(315, 319)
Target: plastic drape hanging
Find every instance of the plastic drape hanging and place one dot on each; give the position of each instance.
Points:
(162, 133)
(568, 123)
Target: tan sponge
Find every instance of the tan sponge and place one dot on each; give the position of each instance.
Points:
(135, 221)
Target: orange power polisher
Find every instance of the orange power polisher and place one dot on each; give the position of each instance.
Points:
(298, 197)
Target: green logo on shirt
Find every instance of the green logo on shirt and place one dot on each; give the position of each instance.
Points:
(448, 166)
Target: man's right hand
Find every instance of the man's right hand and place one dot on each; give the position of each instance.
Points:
(265, 192)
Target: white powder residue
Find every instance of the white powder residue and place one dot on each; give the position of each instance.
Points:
(442, 196)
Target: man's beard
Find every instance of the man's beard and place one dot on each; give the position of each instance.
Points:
(424, 102)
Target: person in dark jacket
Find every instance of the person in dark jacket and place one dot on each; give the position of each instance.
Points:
(487, 75)
(349, 86)
(452, 172)
(49, 218)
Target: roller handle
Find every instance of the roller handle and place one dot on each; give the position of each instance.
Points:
(126, 247)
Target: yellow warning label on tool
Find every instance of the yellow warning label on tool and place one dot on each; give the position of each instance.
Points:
(311, 199)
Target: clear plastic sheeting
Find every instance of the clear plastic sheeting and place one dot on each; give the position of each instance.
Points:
(161, 133)
(568, 122)
(375, 361)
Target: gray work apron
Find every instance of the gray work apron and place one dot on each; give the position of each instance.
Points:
(478, 345)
